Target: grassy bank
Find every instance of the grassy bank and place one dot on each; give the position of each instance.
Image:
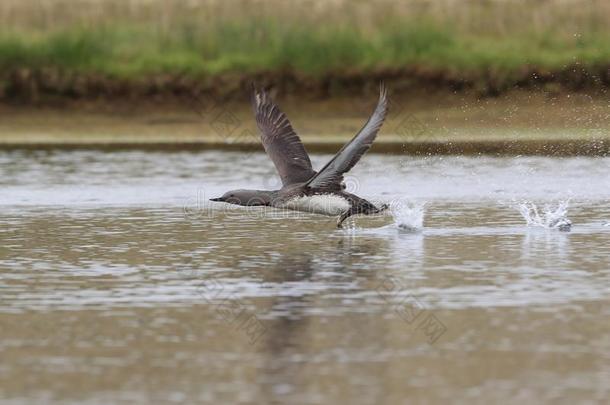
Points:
(84, 49)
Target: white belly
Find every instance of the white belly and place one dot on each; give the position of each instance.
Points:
(325, 204)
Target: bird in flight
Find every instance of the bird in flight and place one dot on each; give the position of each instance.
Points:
(304, 189)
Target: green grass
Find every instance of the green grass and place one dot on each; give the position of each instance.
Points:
(245, 41)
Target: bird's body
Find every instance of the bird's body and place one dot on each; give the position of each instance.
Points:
(304, 189)
(324, 204)
(331, 203)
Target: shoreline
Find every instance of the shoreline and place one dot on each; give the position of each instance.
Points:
(555, 148)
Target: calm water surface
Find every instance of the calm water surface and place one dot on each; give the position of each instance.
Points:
(121, 283)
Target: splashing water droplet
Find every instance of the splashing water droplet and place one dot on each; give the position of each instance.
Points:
(408, 217)
(551, 217)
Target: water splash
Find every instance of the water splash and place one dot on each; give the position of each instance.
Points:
(552, 217)
(408, 216)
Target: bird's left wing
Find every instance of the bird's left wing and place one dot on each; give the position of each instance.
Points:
(280, 141)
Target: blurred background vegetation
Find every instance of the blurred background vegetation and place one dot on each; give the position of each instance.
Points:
(82, 48)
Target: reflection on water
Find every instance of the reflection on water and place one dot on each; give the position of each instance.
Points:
(121, 283)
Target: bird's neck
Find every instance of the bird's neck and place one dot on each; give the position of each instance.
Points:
(263, 197)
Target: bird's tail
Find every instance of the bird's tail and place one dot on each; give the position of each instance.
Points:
(382, 208)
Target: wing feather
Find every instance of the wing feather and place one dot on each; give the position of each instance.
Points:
(331, 175)
(280, 141)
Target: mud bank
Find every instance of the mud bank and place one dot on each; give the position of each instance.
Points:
(519, 122)
(54, 87)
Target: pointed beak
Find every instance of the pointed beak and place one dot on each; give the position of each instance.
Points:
(216, 199)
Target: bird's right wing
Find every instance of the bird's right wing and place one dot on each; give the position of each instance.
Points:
(331, 175)
(280, 141)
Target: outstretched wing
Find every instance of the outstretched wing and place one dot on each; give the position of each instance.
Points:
(331, 174)
(280, 141)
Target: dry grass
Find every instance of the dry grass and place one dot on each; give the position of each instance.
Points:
(498, 17)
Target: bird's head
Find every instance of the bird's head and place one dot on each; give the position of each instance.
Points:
(244, 197)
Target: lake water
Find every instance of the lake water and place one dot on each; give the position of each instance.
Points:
(121, 283)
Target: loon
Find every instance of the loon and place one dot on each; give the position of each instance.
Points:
(304, 189)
